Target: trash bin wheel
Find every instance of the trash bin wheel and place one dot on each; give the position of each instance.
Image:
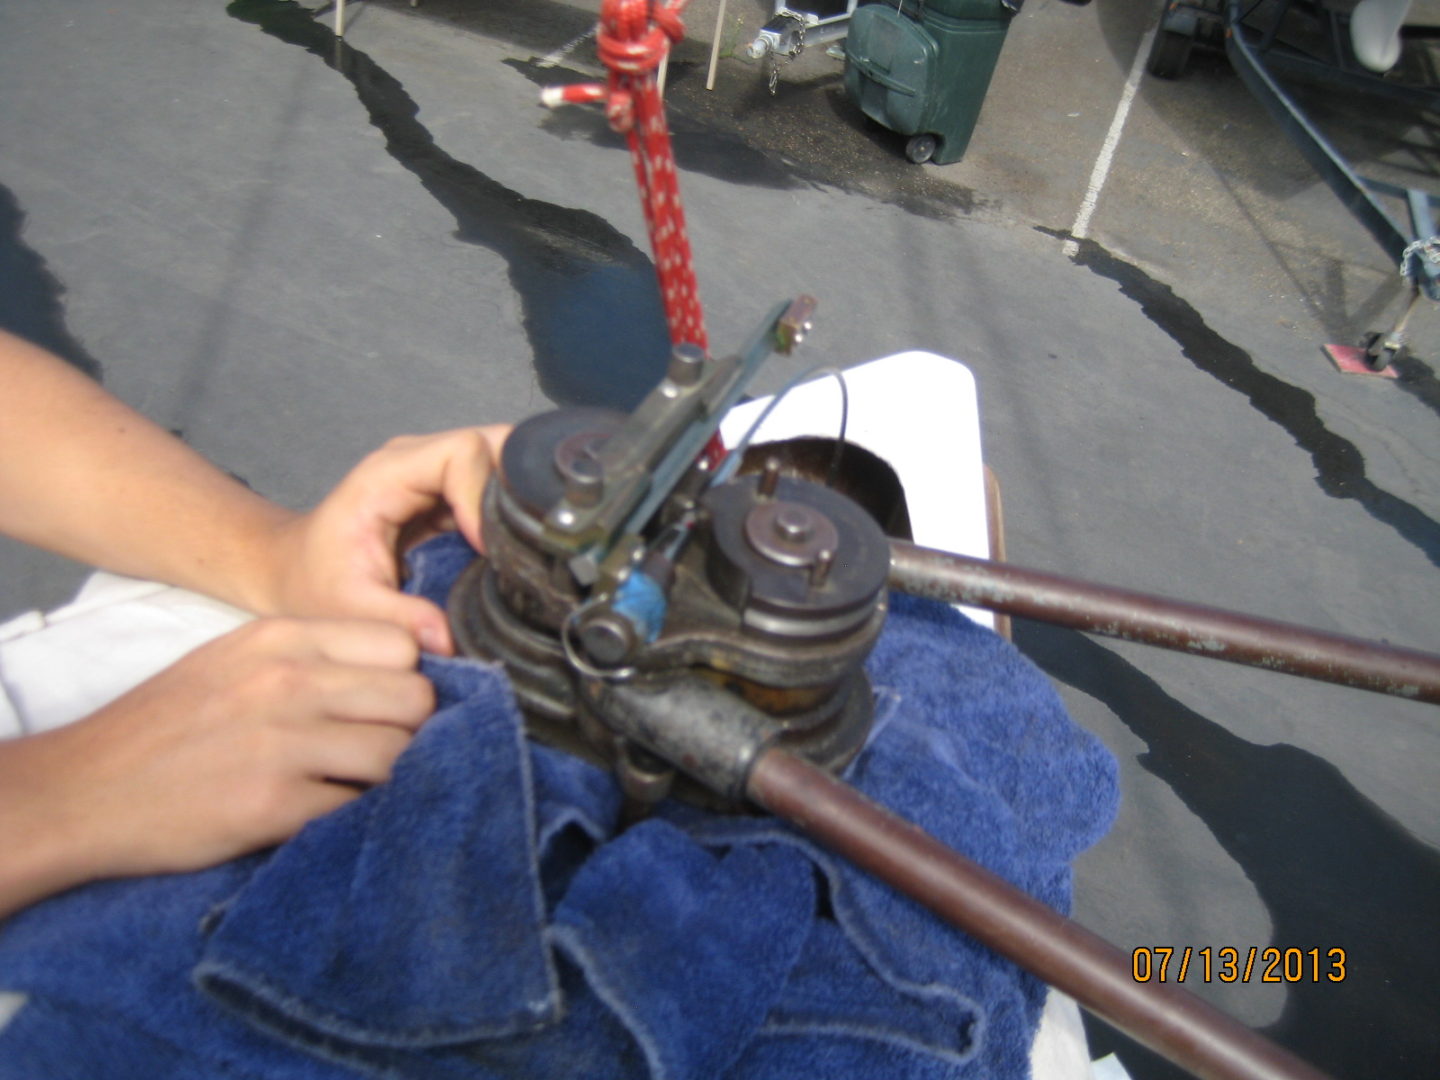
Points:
(920, 148)
(1170, 51)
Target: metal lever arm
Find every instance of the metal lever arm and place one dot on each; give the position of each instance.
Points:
(642, 462)
(729, 746)
(1169, 624)
(1169, 1020)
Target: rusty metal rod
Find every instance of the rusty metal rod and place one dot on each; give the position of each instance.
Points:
(1169, 1020)
(1170, 624)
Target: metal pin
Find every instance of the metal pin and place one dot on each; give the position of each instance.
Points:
(687, 363)
(584, 481)
(820, 569)
(797, 321)
(769, 478)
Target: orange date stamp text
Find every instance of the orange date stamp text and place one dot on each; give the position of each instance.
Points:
(1272, 964)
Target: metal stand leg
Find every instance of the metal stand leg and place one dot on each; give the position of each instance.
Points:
(1381, 350)
(1378, 353)
(995, 511)
(715, 46)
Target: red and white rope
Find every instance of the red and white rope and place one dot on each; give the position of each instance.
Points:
(632, 40)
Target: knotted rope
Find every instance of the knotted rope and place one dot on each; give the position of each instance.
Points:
(632, 40)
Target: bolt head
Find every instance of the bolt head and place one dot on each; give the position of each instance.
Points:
(793, 523)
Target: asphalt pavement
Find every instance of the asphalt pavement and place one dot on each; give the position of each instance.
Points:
(287, 250)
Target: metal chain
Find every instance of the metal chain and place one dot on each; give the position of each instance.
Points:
(1429, 248)
(773, 76)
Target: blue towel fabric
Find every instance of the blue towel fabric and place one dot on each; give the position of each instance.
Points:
(483, 915)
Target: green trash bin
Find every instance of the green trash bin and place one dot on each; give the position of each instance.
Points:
(923, 70)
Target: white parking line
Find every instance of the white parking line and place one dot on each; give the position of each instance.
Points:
(1081, 228)
(565, 50)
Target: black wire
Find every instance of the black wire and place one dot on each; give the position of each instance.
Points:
(733, 458)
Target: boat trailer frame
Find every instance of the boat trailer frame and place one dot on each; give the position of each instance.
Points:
(1258, 54)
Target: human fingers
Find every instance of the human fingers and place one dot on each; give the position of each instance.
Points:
(338, 558)
(335, 766)
(419, 619)
(376, 641)
(320, 769)
(325, 668)
(228, 750)
(464, 494)
(440, 519)
(279, 816)
(411, 474)
(372, 695)
(362, 754)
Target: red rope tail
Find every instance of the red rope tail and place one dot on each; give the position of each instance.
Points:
(632, 39)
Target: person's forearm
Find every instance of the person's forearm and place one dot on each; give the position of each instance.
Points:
(85, 475)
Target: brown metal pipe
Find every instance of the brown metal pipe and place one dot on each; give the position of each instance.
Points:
(1169, 1020)
(1170, 624)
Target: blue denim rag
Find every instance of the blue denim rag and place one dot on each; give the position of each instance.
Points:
(484, 915)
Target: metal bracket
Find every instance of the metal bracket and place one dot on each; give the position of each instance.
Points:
(633, 472)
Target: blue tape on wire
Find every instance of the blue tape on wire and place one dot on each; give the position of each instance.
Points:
(641, 600)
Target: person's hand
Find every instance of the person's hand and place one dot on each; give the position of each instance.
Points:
(342, 558)
(231, 750)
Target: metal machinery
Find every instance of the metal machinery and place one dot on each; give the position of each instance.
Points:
(627, 588)
(700, 631)
(1306, 41)
(807, 22)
